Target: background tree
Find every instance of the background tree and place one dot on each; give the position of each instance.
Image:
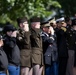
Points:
(68, 6)
(10, 10)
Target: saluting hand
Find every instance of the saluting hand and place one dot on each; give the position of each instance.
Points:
(37, 25)
(26, 26)
(14, 34)
(1, 42)
(51, 30)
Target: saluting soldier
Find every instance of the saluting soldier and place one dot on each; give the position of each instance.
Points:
(36, 45)
(62, 46)
(23, 41)
(71, 45)
(49, 49)
(74, 70)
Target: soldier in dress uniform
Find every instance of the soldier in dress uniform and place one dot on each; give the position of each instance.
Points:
(71, 45)
(62, 47)
(23, 41)
(36, 45)
(49, 49)
(74, 69)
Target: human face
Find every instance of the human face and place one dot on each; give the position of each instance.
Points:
(74, 27)
(35, 25)
(22, 25)
(1, 42)
(69, 22)
(46, 29)
(64, 24)
(59, 25)
(9, 33)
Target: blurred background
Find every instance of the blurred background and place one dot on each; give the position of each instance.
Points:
(10, 10)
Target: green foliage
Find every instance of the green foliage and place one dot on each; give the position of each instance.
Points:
(10, 10)
(69, 6)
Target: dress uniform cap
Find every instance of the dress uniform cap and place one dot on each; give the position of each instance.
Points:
(52, 20)
(60, 19)
(45, 24)
(35, 19)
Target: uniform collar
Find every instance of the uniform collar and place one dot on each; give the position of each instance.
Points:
(45, 33)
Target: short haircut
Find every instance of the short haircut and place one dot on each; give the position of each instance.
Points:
(22, 20)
